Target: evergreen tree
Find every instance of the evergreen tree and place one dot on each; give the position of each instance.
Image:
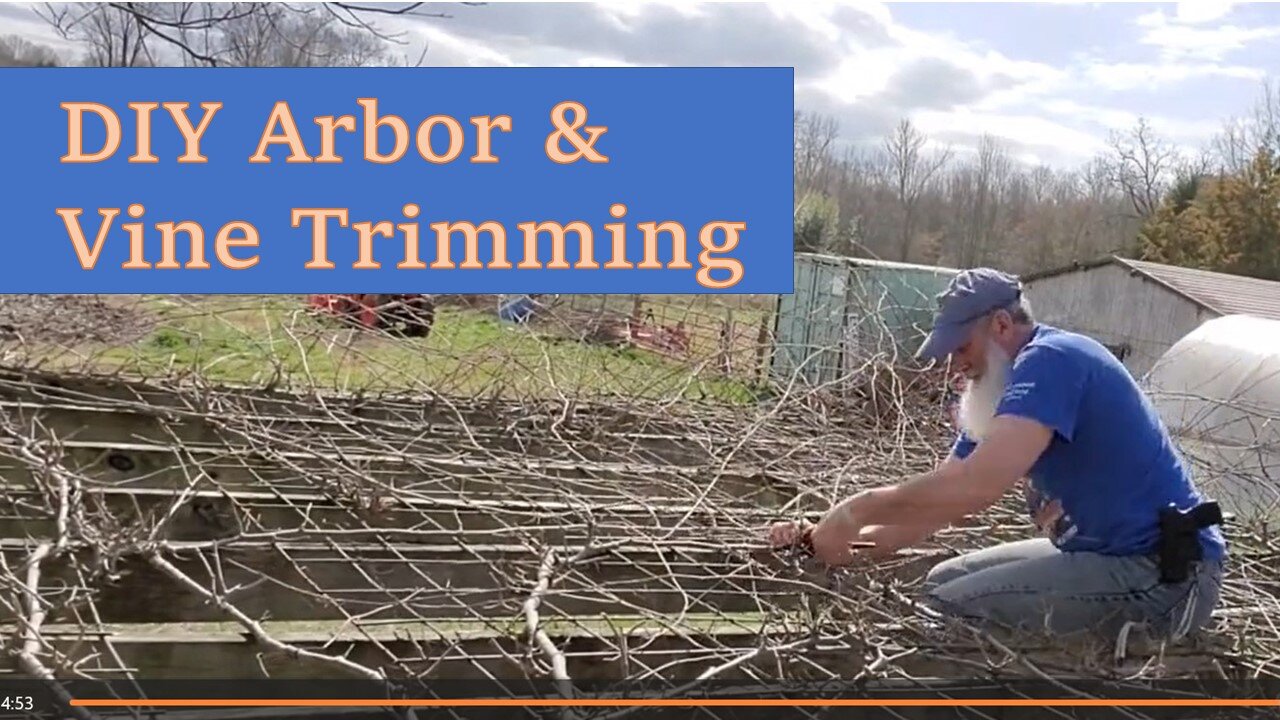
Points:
(1229, 224)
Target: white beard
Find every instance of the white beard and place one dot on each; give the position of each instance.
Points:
(981, 397)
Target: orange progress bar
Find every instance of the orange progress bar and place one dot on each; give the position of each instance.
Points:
(679, 702)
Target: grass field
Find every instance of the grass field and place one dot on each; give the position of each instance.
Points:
(275, 340)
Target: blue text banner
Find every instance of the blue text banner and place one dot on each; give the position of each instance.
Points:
(420, 180)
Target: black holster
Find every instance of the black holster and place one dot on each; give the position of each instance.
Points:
(1180, 546)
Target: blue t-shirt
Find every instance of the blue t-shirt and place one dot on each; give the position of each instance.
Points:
(1111, 464)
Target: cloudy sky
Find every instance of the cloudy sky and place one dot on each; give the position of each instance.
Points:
(1051, 79)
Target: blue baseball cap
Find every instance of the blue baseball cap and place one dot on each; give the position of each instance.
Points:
(970, 296)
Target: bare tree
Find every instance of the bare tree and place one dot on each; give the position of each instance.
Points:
(229, 34)
(17, 51)
(911, 170)
(1095, 179)
(1233, 147)
(276, 37)
(977, 192)
(1041, 184)
(815, 137)
(860, 186)
(112, 36)
(1265, 126)
(991, 209)
(987, 209)
(1142, 166)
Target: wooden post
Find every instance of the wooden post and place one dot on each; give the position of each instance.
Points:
(762, 349)
(726, 343)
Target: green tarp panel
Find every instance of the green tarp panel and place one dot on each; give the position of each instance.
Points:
(847, 311)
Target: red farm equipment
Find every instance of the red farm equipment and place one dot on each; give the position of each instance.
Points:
(410, 315)
(666, 339)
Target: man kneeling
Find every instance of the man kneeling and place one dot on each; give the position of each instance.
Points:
(1127, 536)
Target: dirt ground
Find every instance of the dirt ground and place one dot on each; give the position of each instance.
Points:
(72, 319)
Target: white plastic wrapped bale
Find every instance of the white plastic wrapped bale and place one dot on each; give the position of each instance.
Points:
(1218, 391)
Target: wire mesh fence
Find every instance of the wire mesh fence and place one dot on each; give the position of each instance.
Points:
(204, 486)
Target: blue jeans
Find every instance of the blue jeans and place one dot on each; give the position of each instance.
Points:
(1032, 585)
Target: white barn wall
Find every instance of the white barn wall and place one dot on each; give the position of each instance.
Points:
(1113, 306)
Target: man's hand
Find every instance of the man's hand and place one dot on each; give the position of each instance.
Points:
(832, 540)
(788, 533)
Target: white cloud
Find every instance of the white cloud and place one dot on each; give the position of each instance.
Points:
(589, 61)
(1130, 76)
(815, 17)
(1034, 134)
(631, 9)
(1208, 44)
(444, 49)
(1202, 11)
(963, 54)
(1188, 13)
(22, 20)
(859, 77)
(1110, 118)
(867, 72)
(1179, 37)
(1104, 116)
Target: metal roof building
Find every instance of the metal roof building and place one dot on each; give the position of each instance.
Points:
(1140, 309)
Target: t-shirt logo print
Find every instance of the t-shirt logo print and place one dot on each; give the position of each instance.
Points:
(1018, 391)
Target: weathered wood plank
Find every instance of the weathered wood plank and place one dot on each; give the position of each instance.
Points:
(593, 649)
(434, 650)
(38, 387)
(210, 515)
(176, 467)
(581, 416)
(106, 423)
(297, 581)
(320, 583)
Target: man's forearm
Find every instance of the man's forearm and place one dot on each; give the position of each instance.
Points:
(934, 499)
(954, 490)
(889, 539)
